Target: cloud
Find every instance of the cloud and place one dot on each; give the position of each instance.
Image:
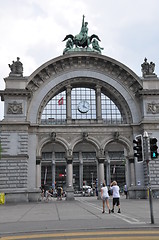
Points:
(34, 29)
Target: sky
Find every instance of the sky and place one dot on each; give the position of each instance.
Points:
(34, 29)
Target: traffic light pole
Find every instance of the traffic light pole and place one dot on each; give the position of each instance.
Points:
(147, 159)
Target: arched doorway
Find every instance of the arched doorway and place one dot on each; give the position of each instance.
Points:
(115, 166)
(84, 165)
(53, 166)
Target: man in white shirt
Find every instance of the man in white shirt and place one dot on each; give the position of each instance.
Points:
(116, 196)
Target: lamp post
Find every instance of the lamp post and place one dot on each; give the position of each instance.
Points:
(147, 159)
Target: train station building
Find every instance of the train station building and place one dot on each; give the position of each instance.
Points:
(73, 121)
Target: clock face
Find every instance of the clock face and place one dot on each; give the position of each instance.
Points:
(83, 106)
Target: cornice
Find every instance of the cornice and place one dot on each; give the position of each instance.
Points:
(148, 92)
(14, 92)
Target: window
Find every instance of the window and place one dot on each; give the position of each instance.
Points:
(83, 107)
(110, 112)
(78, 95)
(55, 110)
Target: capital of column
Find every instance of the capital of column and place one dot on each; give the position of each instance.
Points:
(98, 90)
(131, 160)
(100, 155)
(101, 159)
(68, 89)
(38, 160)
(69, 159)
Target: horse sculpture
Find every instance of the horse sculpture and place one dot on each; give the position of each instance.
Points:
(82, 40)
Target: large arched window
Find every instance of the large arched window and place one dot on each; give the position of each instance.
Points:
(83, 103)
(83, 107)
(110, 112)
(55, 110)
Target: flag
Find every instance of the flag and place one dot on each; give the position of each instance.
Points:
(60, 101)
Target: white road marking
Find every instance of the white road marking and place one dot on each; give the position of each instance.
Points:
(124, 217)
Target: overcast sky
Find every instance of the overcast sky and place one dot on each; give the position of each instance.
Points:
(34, 29)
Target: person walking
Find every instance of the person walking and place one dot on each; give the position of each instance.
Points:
(116, 196)
(105, 197)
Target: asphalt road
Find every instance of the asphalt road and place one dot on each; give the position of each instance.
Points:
(84, 214)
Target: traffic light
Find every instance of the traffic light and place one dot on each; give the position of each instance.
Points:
(153, 147)
(138, 148)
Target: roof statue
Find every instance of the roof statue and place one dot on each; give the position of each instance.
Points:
(16, 67)
(148, 68)
(81, 41)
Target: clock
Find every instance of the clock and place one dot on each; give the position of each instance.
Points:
(83, 106)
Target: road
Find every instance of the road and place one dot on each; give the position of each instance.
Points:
(79, 219)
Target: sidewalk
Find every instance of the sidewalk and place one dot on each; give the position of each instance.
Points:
(83, 213)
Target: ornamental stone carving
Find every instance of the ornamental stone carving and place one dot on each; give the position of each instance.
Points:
(15, 108)
(79, 62)
(16, 68)
(153, 108)
(53, 136)
(148, 68)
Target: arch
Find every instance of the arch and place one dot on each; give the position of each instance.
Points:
(54, 74)
(107, 89)
(122, 140)
(42, 92)
(88, 139)
(47, 140)
(78, 60)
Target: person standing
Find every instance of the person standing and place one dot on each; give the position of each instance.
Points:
(126, 191)
(116, 196)
(105, 197)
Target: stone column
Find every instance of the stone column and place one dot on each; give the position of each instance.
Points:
(132, 172)
(132, 187)
(108, 177)
(98, 104)
(53, 170)
(68, 104)
(100, 174)
(69, 179)
(80, 170)
(38, 172)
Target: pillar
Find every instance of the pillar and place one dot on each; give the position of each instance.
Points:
(132, 172)
(80, 170)
(53, 170)
(100, 175)
(38, 172)
(108, 177)
(68, 104)
(69, 179)
(98, 104)
(132, 187)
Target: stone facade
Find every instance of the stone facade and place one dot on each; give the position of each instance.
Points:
(24, 137)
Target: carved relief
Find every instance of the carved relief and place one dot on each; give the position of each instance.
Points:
(153, 108)
(15, 108)
(78, 62)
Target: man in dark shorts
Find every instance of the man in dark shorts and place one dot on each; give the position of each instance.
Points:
(116, 196)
